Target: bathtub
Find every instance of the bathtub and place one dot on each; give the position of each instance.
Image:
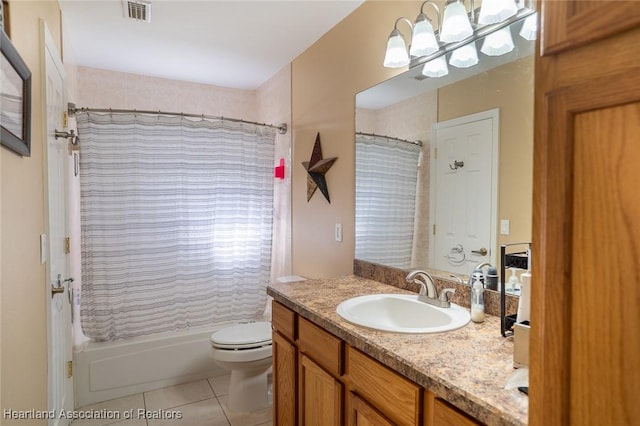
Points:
(108, 370)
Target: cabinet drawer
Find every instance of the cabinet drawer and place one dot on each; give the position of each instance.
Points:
(321, 346)
(283, 320)
(396, 397)
(447, 415)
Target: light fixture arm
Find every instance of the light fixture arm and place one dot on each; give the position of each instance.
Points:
(402, 18)
(436, 8)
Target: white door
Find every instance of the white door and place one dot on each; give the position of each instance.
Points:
(60, 388)
(464, 191)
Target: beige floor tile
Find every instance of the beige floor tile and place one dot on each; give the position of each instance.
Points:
(246, 419)
(131, 422)
(220, 384)
(178, 395)
(116, 407)
(203, 413)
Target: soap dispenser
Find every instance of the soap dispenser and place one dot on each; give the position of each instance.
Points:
(513, 284)
(477, 300)
(524, 303)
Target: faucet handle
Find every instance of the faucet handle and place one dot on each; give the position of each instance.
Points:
(444, 294)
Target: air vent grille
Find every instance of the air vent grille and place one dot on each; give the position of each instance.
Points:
(137, 10)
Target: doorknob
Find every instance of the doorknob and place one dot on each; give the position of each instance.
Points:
(482, 252)
(59, 288)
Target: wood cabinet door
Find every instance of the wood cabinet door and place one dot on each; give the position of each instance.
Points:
(584, 356)
(363, 414)
(445, 415)
(569, 24)
(284, 381)
(320, 397)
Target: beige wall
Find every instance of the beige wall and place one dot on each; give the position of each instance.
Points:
(325, 79)
(24, 289)
(509, 88)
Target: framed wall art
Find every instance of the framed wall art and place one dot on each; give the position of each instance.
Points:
(15, 99)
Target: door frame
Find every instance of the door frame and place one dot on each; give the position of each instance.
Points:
(494, 115)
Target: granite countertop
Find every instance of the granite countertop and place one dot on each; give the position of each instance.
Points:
(467, 367)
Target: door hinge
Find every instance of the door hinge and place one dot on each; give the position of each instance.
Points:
(65, 120)
(434, 229)
(435, 153)
(67, 245)
(69, 369)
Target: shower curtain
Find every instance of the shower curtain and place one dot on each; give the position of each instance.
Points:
(386, 179)
(176, 222)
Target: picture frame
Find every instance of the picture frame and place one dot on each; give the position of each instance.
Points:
(15, 99)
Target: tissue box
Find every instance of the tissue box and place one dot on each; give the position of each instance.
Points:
(521, 345)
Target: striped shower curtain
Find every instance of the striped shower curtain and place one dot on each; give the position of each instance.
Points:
(176, 222)
(386, 179)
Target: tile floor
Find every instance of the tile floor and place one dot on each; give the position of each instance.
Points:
(200, 403)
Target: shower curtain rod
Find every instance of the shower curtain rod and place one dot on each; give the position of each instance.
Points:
(72, 110)
(419, 143)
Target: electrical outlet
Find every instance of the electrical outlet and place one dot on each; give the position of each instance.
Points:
(338, 232)
(504, 226)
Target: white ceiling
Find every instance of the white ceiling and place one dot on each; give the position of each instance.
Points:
(236, 44)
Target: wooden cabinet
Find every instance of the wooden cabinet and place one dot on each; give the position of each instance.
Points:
(395, 397)
(320, 397)
(320, 390)
(447, 415)
(320, 380)
(362, 413)
(285, 361)
(584, 366)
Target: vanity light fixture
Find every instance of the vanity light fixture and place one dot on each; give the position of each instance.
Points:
(455, 24)
(529, 29)
(424, 41)
(436, 67)
(396, 55)
(494, 11)
(465, 56)
(457, 35)
(498, 43)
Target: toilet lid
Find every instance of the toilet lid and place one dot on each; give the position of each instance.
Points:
(243, 336)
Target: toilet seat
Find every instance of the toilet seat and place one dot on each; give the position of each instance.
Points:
(243, 336)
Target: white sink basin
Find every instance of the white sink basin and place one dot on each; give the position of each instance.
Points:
(401, 313)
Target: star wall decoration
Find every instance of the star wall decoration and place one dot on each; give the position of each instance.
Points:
(316, 168)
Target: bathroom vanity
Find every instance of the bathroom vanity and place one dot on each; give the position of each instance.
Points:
(329, 371)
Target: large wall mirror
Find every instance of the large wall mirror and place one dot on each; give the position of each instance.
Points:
(444, 165)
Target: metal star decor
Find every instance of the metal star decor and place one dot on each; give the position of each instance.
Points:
(316, 167)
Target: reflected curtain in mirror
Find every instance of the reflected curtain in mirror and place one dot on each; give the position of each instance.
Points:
(386, 180)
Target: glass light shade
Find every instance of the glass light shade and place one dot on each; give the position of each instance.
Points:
(529, 29)
(455, 24)
(498, 43)
(424, 40)
(493, 11)
(465, 56)
(396, 56)
(436, 68)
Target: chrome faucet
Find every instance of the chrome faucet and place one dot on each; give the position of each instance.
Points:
(428, 291)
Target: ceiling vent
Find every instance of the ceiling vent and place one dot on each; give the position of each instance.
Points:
(137, 10)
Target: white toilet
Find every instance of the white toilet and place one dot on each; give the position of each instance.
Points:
(245, 349)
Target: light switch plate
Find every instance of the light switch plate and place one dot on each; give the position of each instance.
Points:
(504, 226)
(43, 248)
(338, 232)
